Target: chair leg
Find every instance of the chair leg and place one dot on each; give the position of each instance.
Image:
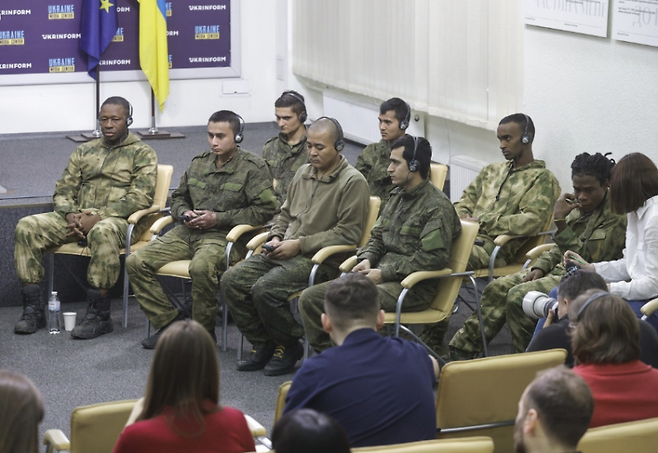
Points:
(51, 274)
(126, 290)
(224, 325)
(240, 346)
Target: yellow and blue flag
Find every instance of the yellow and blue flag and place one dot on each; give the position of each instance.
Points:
(153, 54)
(98, 27)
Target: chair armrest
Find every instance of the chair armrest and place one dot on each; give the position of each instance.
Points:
(325, 252)
(56, 440)
(159, 224)
(505, 238)
(257, 240)
(257, 430)
(348, 264)
(419, 276)
(534, 253)
(648, 308)
(239, 230)
(137, 215)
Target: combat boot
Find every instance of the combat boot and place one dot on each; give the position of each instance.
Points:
(97, 320)
(433, 336)
(34, 316)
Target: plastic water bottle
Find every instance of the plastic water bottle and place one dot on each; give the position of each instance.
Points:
(54, 324)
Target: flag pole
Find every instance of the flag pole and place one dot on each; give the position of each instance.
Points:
(97, 131)
(153, 130)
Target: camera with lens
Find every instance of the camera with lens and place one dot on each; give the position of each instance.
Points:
(537, 305)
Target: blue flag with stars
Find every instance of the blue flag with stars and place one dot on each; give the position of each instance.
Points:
(99, 25)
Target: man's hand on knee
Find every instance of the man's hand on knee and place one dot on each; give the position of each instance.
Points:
(87, 222)
(286, 250)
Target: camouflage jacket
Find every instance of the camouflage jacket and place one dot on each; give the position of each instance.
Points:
(113, 182)
(331, 210)
(598, 236)
(510, 201)
(413, 233)
(284, 160)
(372, 163)
(240, 192)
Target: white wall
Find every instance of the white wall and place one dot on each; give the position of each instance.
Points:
(71, 107)
(590, 94)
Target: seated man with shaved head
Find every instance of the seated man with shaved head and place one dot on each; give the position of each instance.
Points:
(326, 204)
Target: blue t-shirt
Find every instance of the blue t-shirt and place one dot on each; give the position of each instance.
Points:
(378, 388)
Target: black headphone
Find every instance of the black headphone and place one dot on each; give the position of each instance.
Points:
(407, 118)
(339, 144)
(240, 135)
(526, 137)
(414, 165)
(303, 117)
(591, 299)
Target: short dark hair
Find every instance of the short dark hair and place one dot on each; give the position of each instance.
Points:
(423, 152)
(324, 123)
(597, 165)
(576, 283)
(306, 430)
(634, 180)
(226, 116)
(564, 404)
(118, 100)
(400, 107)
(288, 99)
(521, 119)
(351, 299)
(607, 331)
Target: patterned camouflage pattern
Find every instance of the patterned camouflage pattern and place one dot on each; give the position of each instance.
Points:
(112, 182)
(283, 161)
(331, 210)
(506, 201)
(599, 236)
(509, 201)
(372, 163)
(240, 192)
(414, 233)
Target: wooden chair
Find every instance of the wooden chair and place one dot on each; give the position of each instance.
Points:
(180, 268)
(148, 216)
(94, 428)
(438, 173)
(465, 445)
(448, 280)
(637, 437)
(480, 397)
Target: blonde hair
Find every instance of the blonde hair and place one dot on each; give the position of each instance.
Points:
(21, 412)
(184, 376)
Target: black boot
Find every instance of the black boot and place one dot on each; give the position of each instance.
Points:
(97, 320)
(34, 316)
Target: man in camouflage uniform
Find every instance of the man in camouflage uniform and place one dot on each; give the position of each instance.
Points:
(327, 204)
(515, 197)
(286, 153)
(222, 188)
(394, 117)
(585, 225)
(414, 233)
(105, 181)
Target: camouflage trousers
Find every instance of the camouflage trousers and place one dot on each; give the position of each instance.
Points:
(502, 302)
(257, 291)
(311, 307)
(37, 233)
(207, 255)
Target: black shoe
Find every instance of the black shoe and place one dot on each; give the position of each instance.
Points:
(34, 316)
(97, 320)
(284, 360)
(150, 342)
(257, 359)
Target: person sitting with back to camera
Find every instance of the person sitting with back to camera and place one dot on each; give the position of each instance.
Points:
(634, 192)
(21, 412)
(556, 334)
(181, 410)
(605, 343)
(306, 430)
